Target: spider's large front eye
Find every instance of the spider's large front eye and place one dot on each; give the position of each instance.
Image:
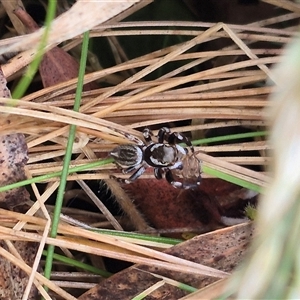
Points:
(127, 155)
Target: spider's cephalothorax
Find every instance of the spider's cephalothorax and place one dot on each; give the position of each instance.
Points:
(164, 156)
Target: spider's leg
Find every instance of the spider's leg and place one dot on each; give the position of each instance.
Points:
(170, 178)
(198, 181)
(158, 173)
(189, 185)
(163, 134)
(180, 184)
(177, 166)
(172, 138)
(138, 173)
(133, 177)
(176, 137)
(131, 169)
(147, 133)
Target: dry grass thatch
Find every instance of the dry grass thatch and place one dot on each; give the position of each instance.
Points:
(233, 91)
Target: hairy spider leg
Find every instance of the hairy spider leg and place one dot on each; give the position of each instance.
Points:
(159, 172)
(165, 134)
(133, 177)
(147, 133)
(198, 181)
(178, 184)
(131, 169)
(176, 137)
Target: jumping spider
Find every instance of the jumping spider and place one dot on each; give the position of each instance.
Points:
(166, 156)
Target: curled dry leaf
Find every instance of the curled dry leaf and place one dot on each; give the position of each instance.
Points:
(170, 210)
(165, 207)
(57, 65)
(222, 249)
(13, 157)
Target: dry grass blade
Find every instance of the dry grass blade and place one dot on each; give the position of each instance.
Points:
(235, 170)
(71, 23)
(42, 243)
(9, 6)
(218, 88)
(173, 107)
(38, 276)
(99, 244)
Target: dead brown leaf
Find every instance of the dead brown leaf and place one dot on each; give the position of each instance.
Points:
(13, 157)
(222, 249)
(57, 65)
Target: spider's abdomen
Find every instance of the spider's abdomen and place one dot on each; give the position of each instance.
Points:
(127, 155)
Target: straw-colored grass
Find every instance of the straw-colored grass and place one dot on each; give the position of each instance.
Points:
(230, 94)
(158, 101)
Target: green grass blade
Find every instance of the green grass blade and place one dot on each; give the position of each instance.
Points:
(55, 174)
(78, 264)
(232, 179)
(33, 67)
(67, 159)
(229, 137)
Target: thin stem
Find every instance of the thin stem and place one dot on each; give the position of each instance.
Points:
(67, 159)
(33, 67)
